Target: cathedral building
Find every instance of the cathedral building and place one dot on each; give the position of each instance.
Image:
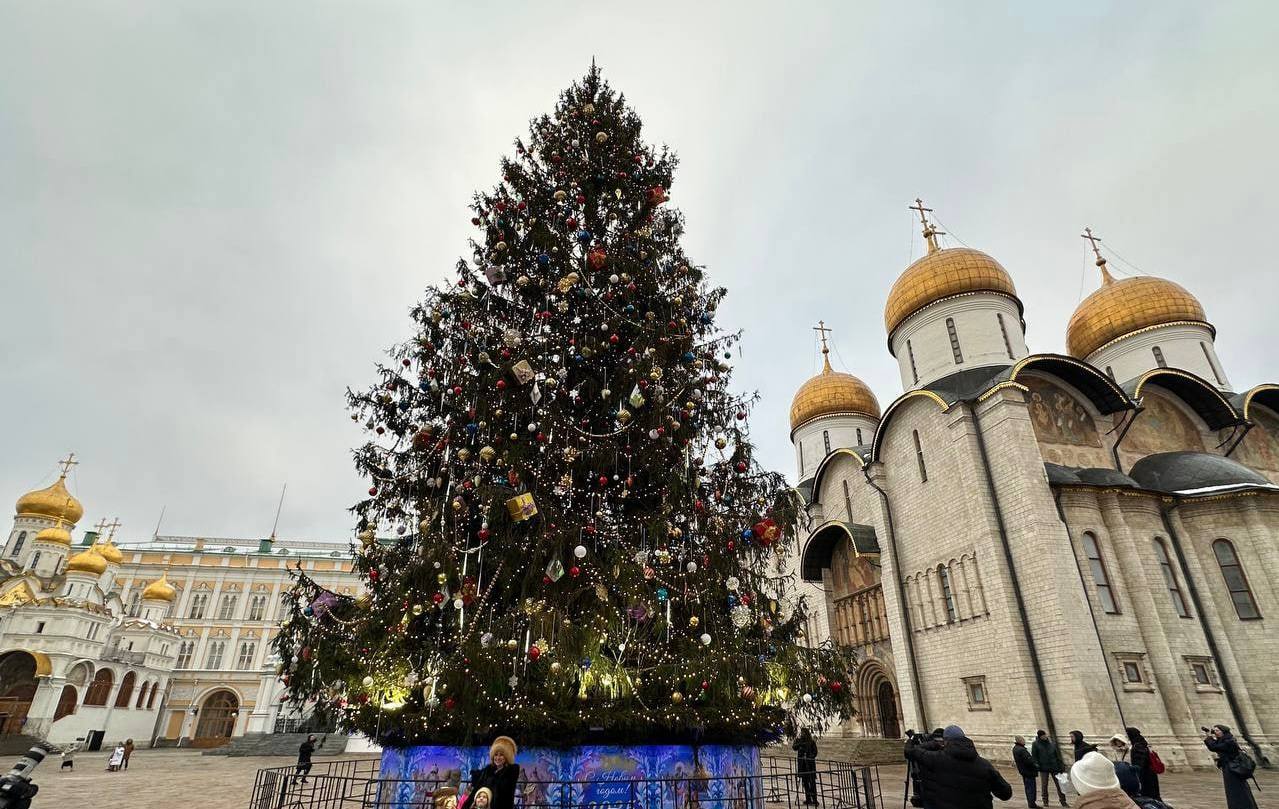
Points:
(164, 641)
(1071, 542)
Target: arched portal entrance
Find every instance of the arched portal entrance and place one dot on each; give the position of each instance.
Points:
(217, 719)
(17, 689)
(886, 699)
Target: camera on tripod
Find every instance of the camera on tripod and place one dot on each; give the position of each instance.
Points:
(16, 789)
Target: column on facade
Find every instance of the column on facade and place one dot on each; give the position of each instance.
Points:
(1262, 540)
(43, 705)
(1141, 589)
(1200, 560)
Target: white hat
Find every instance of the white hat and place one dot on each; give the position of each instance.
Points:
(1093, 772)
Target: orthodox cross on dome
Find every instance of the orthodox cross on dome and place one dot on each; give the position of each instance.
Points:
(1096, 251)
(113, 525)
(822, 331)
(930, 231)
(67, 463)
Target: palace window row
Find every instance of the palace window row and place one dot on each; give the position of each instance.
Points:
(949, 593)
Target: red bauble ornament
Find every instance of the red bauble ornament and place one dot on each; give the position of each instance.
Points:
(541, 438)
(597, 258)
(438, 598)
(379, 429)
(373, 492)
(741, 466)
(836, 686)
(705, 685)
(656, 195)
(603, 480)
(484, 534)
(406, 362)
(534, 653)
(501, 384)
(614, 339)
(574, 571)
(731, 544)
(741, 415)
(373, 575)
(571, 223)
(457, 390)
(449, 703)
(546, 580)
(475, 220)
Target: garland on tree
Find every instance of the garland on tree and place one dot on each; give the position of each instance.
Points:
(566, 535)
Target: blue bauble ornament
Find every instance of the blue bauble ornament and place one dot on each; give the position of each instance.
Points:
(746, 533)
(584, 236)
(732, 600)
(424, 386)
(472, 428)
(689, 356)
(543, 259)
(404, 404)
(662, 593)
(308, 611)
(585, 664)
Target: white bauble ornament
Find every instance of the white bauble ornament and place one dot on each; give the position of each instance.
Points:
(808, 699)
(580, 551)
(706, 639)
(691, 567)
(367, 681)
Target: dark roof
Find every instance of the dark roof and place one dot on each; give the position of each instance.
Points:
(820, 547)
(1100, 389)
(805, 489)
(1102, 476)
(1059, 475)
(1189, 471)
(1211, 405)
(968, 383)
(1266, 394)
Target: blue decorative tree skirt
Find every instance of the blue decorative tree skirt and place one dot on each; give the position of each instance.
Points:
(649, 776)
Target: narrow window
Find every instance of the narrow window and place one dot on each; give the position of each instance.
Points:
(859, 437)
(919, 456)
(228, 607)
(35, 560)
(184, 654)
(801, 457)
(214, 658)
(1236, 581)
(197, 605)
(1200, 670)
(1008, 346)
(826, 440)
(40, 628)
(17, 546)
(848, 502)
(257, 607)
(1099, 575)
(954, 340)
(947, 594)
(1170, 579)
(914, 373)
(1132, 672)
(1211, 364)
(1110, 372)
(1159, 357)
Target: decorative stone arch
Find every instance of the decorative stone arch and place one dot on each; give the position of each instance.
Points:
(100, 687)
(1195, 392)
(68, 702)
(80, 672)
(125, 693)
(878, 701)
(827, 463)
(820, 547)
(1102, 392)
(19, 671)
(218, 710)
(877, 444)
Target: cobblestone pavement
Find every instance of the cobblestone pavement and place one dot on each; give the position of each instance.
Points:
(165, 779)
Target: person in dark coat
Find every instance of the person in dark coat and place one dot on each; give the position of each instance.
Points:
(304, 758)
(1139, 755)
(805, 748)
(919, 781)
(1048, 761)
(1082, 748)
(500, 775)
(958, 777)
(1221, 742)
(1026, 769)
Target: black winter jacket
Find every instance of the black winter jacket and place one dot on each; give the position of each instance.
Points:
(958, 777)
(1025, 764)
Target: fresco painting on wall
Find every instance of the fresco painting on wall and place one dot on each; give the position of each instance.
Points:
(1162, 427)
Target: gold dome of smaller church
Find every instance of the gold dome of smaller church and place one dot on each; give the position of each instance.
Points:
(55, 533)
(107, 550)
(830, 393)
(87, 561)
(52, 502)
(160, 590)
(1127, 305)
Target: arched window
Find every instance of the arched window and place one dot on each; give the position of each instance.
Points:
(228, 607)
(17, 546)
(245, 660)
(67, 702)
(35, 560)
(947, 594)
(213, 660)
(134, 601)
(801, 457)
(1170, 579)
(1099, 576)
(914, 374)
(257, 608)
(185, 649)
(848, 501)
(142, 696)
(100, 688)
(919, 456)
(125, 693)
(826, 440)
(1159, 357)
(198, 603)
(1236, 580)
(954, 340)
(151, 696)
(860, 443)
(1008, 346)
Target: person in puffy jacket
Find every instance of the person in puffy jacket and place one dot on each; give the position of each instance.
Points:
(1047, 758)
(959, 778)
(1093, 777)
(1139, 755)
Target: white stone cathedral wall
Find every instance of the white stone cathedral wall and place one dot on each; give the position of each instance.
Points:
(1132, 356)
(976, 325)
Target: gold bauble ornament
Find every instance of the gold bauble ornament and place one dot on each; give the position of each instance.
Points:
(463, 454)
(511, 644)
(588, 108)
(442, 578)
(487, 454)
(694, 621)
(600, 137)
(560, 195)
(417, 609)
(677, 697)
(555, 667)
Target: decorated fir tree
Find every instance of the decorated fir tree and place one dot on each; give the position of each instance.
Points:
(566, 534)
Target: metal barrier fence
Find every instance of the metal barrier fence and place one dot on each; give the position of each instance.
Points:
(355, 784)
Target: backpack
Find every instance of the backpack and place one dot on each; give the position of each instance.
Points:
(1241, 766)
(1156, 763)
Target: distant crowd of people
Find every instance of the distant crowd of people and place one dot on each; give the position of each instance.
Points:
(947, 773)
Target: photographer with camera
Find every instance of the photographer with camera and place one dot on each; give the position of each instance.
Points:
(915, 781)
(955, 777)
(1236, 766)
(16, 789)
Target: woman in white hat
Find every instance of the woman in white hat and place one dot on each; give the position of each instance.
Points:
(1093, 777)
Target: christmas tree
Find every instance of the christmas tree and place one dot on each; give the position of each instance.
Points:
(567, 535)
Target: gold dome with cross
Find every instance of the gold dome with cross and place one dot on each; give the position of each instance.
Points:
(831, 393)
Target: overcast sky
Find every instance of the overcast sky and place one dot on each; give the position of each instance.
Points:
(215, 216)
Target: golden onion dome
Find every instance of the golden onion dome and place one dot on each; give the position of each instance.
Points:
(55, 533)
(160, 590)
(107, 550)
(87, 561)
(1128, 305)
(54, 502)
(832, 393)
(944, 273)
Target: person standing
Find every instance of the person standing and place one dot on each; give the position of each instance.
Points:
(1026, 769)
(117, 758)
(128, 751)
(1140, 756)
(1082, 748)
(1093, 777)
(805, 747)
(958, 777)
(1047, 756)
(500, 775)
(304, 758)
(1236, 767)
(68, 756)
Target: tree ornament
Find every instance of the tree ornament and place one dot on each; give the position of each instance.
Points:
(706, 639)
(677, 697)
(601, 137)
(580, 551)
